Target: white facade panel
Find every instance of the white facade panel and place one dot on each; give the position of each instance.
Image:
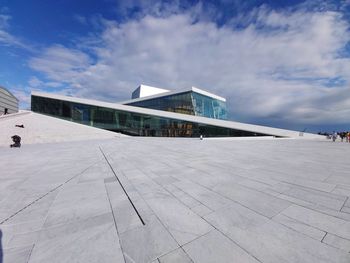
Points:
(7, 101)
(145, 91)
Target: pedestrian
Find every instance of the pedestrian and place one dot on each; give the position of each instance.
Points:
(348, 137)
(334, 136)
(17, 141)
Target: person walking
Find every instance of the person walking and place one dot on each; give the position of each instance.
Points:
(334, 136)
(348, 137)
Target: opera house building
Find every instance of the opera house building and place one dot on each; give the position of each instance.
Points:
(155, 112)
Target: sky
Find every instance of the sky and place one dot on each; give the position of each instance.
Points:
(278, 63)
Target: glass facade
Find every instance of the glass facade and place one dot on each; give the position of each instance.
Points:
(191, 103)
(128, 122)
(208, 107)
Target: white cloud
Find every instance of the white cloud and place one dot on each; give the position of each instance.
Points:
(61, 64)
(37, 83)
(23, 95)
(281, 67)
(4, 19)
(6, 38)
(80, 19)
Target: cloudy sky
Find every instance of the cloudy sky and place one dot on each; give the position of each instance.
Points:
(278, 63)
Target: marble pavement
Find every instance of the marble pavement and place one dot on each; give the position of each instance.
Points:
(170, 200)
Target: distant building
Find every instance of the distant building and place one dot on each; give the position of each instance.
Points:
(8, 102)
(155, 112)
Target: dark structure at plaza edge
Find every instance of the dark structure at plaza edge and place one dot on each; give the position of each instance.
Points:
(156, 112)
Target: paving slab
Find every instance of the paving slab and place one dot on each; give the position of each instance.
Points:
(337, 242)
(342, 190)
(125, 216)
(300, 227)
(330, 200)
(183, 224)
(206, 196)
(268, 205)
(269, 241)
(77, 202)
(17, 255)
(147, 243)
(94, 244)
(215, 247)
(176, 256)
(319, 220)
(200, 201)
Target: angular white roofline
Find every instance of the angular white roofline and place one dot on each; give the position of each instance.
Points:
(146, 91)
(184, 117)
(194, 89)
(9, 92)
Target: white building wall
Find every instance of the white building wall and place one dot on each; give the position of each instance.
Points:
(7, 101)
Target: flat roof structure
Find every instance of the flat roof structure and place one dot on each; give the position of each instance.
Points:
(149, 200)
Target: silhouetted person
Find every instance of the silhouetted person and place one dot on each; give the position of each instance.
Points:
(334, 136)
(6, 111)
(341, 135)
(17, 141)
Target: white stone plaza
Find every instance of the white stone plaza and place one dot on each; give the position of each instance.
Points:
(74, 193)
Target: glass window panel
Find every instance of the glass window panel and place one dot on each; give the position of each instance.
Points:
(130, 123)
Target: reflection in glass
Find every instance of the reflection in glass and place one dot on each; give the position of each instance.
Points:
(134, 123)
(190, 102)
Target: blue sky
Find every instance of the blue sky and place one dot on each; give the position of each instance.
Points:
(279, 63)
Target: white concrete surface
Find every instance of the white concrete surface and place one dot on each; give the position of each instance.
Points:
(199, 201)
(39, 128)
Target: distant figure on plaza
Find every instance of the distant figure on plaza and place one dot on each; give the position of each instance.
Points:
(348, 137)
(201, 137)
(17, 141)
(6, 111)
(334, 136)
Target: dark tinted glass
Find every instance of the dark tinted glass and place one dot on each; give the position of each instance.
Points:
(180, 103)
(191, 103)
(128, 122)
